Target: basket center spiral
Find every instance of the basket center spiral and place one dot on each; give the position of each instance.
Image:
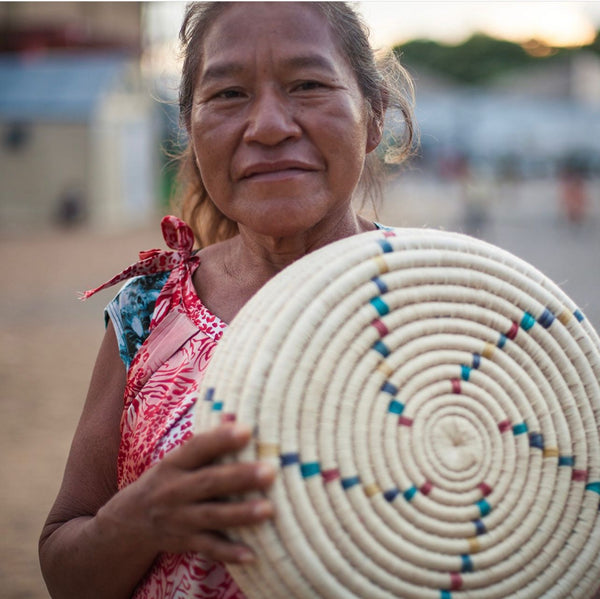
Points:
(456, 443)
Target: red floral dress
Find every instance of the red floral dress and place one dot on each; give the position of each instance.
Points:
(160, 394)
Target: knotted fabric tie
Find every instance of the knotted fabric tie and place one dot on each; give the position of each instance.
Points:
(178, 236)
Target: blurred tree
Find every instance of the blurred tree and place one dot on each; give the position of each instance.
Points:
(595, 45)
(480, 58)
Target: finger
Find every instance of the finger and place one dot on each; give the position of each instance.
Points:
(222, 480)
(205, 447)
(221, 516)
(216, 547)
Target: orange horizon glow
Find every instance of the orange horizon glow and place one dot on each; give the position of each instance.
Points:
(555, 24)
(557, 27)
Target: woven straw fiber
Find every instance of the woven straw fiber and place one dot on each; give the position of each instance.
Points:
(432, 405)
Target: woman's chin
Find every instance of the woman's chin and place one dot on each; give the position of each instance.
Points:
(281, 228)
(285, 219)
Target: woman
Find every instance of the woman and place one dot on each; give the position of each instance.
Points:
(282, 103)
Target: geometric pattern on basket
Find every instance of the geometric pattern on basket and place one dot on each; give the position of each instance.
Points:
(433, 406)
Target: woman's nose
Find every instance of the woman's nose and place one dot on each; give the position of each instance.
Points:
(271, 119)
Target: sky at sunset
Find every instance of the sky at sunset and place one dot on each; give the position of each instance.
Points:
(558, 22)
(554, 22)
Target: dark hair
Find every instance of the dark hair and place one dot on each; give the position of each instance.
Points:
(385, 84)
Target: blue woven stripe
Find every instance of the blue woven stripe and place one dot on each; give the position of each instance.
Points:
(579, 316)
(380, 346)
(287, 459)
(391, 494)
(467, 564)
(484, 507)
(479, 527)
(349, 482)
(383, 288)
(396, 407)
(379, 305)
(310, 469)
(527, 321)
(476, 361)
(566, 460)
(386, 246)
(536, 440)
(210, 393)
(217, 406)
(387, 387)
(546, 318)
(595, 487)
(519, 429)
(410, 493)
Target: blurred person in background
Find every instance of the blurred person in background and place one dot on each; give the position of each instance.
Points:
(573, 192)
(284, 106)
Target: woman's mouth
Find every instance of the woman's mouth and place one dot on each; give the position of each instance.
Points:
(276, 171)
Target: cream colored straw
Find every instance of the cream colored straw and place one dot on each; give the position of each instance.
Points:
(432, 405)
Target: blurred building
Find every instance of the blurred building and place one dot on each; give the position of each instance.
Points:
(78, 139)
(528, 123)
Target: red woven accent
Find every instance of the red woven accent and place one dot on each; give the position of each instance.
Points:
(381, 328)
(580, 475)
(456, 386)
(485, 489)
(426, 488)
(330, 475)
(505, 425)
(455, 581)
(404, 421)
(514, 329)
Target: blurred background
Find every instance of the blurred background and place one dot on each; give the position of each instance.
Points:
(508, 104)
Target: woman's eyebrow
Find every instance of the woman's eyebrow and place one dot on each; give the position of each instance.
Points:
(310, 61)
(220, 70)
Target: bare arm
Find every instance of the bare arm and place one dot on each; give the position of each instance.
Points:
(99, 542)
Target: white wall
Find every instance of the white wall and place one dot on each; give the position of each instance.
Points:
(124, 155)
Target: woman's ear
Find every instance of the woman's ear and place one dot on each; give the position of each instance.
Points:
(375, 128)
(374, 134)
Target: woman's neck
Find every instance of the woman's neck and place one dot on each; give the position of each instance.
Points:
(232, 271)
(265, 256)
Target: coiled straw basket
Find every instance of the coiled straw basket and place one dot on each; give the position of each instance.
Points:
(432, 404)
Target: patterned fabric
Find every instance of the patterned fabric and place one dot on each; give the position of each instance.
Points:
(131, 311)
(162, 380)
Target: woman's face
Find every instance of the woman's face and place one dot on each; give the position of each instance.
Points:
(279, 126)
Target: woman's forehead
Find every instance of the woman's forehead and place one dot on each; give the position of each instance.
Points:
(296, 32)
(266, 16)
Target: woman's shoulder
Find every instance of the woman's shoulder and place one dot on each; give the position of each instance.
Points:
(131, 312)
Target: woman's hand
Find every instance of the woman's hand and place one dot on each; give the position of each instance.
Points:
(178, 505)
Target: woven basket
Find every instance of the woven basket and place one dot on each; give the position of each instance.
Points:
(432, 405)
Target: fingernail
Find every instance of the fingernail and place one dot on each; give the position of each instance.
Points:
(240, 431)
(246, 556)
(262, 509)
(265, 471)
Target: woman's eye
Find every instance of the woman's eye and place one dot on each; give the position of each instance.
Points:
(229, 94)
(309, 85)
